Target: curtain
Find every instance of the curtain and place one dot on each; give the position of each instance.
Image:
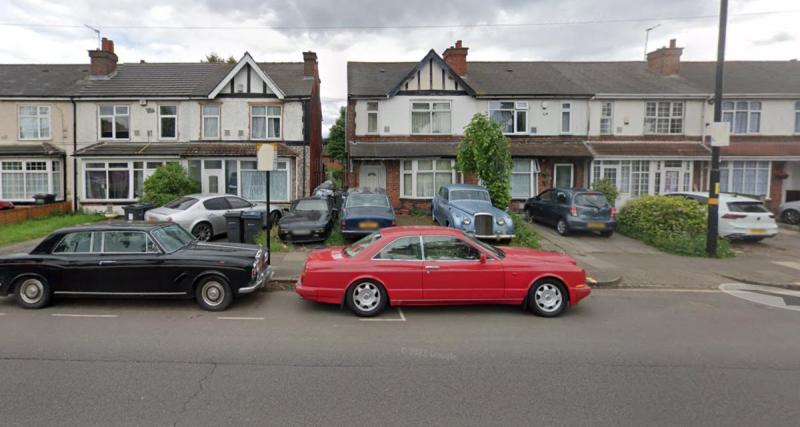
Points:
(253, 185)
(420, 122)
(425, 184)
(119, 184)
(13, 186)
(520, 185)
(35, 183)
(96, 184)
(274, 128)
(505, 118)
(57, 188)
(259, 127)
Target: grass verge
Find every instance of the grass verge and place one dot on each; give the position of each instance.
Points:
(41, 227)
(524, 234)
(679, 243)
(335, 238)
(276, 245)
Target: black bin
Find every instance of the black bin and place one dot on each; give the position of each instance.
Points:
(136, 212)
(252, 224)
(44, 199)
(233, 223)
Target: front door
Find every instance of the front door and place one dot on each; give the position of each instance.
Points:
(213, 177)
(372, 176)
(562, 175)
(672, 179)
(453, 272)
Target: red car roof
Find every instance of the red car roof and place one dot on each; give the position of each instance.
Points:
(420, 229)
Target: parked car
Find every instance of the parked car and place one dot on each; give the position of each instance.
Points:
(308, 220)
(133, 259)
(469, 208)
(440, 266)
(203, 214)
(573, 209)
(740, 217)
(328, 190)
(4, 205)
(789, 212)
(364, 212)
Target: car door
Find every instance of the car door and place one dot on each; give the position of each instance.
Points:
(559, 206)
(215, 211)
(77, 255)
(541, 206)
(438, 205)
(129, 263)
(399, 265)
(454, 271)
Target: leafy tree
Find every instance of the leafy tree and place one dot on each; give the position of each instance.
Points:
(168, 182)
(213, 58)
(484, 152)
(607, 187)
(336, 138)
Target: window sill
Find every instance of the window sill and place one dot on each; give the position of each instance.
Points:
(415, 198)
(35, 139)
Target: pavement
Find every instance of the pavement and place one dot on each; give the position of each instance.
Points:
(621, 357)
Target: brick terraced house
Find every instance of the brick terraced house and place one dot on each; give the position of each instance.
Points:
(640, 123)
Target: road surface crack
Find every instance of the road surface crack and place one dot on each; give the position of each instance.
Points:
(200, 388)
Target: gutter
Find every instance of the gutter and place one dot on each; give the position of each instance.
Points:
(74, 158)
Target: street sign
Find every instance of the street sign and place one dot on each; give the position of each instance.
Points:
(720, 133)
(267, 157)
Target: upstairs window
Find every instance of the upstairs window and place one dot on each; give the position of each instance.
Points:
(430, 117)
(372, 117)
(115, 122)
(566, 117)
(512, 116)
(168, 121)
(607, 118)
(265, 121)
(743, 116)
(34, 122)
(663, 117)
(211, 118)
(797, 117)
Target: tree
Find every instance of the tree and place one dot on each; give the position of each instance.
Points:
(213, 58)
(484, 152)
(168, 182)
(336, 138)
(607, 187)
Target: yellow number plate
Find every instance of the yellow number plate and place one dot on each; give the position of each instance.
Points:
(151, 219)
(596, 225)
(368, 224)
(758, 231)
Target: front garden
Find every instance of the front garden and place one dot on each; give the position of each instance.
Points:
(41, 227)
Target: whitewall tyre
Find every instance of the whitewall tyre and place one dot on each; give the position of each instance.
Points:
(33, 292)
(548, 298)
(366, 298)
(213, 294)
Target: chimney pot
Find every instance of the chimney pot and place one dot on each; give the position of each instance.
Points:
(309, 64)
(103, 61)
(672, 43)
(666, 60)
(456, 58)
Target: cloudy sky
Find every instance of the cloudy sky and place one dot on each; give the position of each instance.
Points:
(36, 31)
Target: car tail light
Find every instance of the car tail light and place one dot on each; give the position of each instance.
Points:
(394, 223)
(573, 211)
(613, 212)
(343, 224)
(733, 216)
(772, 216)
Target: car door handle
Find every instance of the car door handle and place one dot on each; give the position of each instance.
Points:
(106, 262)
(431, 267)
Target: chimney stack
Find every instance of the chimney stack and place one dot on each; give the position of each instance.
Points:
(103, 60)
(666, 60)
(309, 64)
(456, 58)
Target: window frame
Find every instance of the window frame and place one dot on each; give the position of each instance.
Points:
(728, 167)
(519, 107)
(267, 117)
(566, 108)
(113, 117)
(50, 170)
(749, 112)
(133, 167)
(671, 117)
(39, 119)
(466, 242)
(388, 245)
(167, 116)
(240, 169)
(609, 118)
(159, 249)
(533, 177)
(203, 117)
(797, 117)
(456, 177)
(376, 113)
(430, 112)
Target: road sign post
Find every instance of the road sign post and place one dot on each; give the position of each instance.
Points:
(267, 159)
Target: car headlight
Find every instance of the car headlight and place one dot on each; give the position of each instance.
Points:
(501, 221)
(467, 221)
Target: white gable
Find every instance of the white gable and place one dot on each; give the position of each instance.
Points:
(431, 76)
(247, 77)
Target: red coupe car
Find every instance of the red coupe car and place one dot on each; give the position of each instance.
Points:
(439, 266)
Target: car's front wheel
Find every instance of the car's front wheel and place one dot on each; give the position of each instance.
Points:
(547, 298)
(33, 293)
(561, 227)
(791, 216)
(274, 217)
(203, 231)
(366, 299)
(213, 294)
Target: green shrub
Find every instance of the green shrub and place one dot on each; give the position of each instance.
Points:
(168, 182)
(524, 234)
(275, 243)
(672, 224)
(607, 187)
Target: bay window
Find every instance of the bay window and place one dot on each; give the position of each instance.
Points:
(512, 116)
(743, 116)
(21, 179)
(372, 117)
(167, 121)
(663, 117)
(420, 179)
(745, 177)
(430, 117)
(253, 181)
(114, 122)
(34, 122)
(117, 180)
(265, 121)
(607, 118)
(211, 121)
(524, 178)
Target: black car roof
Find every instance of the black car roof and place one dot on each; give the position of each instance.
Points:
(129, 225)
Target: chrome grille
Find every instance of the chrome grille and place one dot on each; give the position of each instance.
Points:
(483, 224)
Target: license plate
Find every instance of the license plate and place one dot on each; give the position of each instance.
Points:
(368, 224)
(596, 225)
(151, 219)
(758, 231)
(301, 232)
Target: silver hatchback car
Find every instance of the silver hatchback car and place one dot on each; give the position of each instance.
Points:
(203, 214)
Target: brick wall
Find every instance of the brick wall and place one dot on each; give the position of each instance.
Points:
(776, 186)
(24, 213)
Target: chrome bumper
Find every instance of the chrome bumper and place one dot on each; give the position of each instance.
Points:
(258, 283)
(495, 236)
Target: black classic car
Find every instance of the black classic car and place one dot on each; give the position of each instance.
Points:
(364, 212)
(133, 260)
(308, 220)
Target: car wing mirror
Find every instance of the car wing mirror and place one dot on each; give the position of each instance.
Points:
(483, 258)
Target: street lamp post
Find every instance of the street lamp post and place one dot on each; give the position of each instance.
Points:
(713, 184)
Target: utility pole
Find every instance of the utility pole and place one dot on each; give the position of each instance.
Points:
(713, 182)
(647, 38)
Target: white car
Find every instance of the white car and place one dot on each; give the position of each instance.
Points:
(789, 212)
(739, 216)
(203, 214)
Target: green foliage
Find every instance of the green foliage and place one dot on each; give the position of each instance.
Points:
(335, 147)
(40, 227)
(276, 245)
(213, 58)
(672, 224)
(484, 152)
(335, 175)
(607, 187)
(168, 182)
(335, 238)
(524, 234)
(419, 212)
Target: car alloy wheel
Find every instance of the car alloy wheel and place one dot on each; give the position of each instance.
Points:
(367, 299)
(214, 294)
(202, 232)
(548, 298)
(561, 227)
(792, 216)
(33, 293)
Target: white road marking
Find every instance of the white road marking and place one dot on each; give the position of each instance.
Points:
(789, 264)
(766, 295)
(399, 311)
(84, 315)
(2, 314)
(239, 318)
(667, 290)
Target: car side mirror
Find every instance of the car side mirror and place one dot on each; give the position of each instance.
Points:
(483, 258)
(536, 198)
